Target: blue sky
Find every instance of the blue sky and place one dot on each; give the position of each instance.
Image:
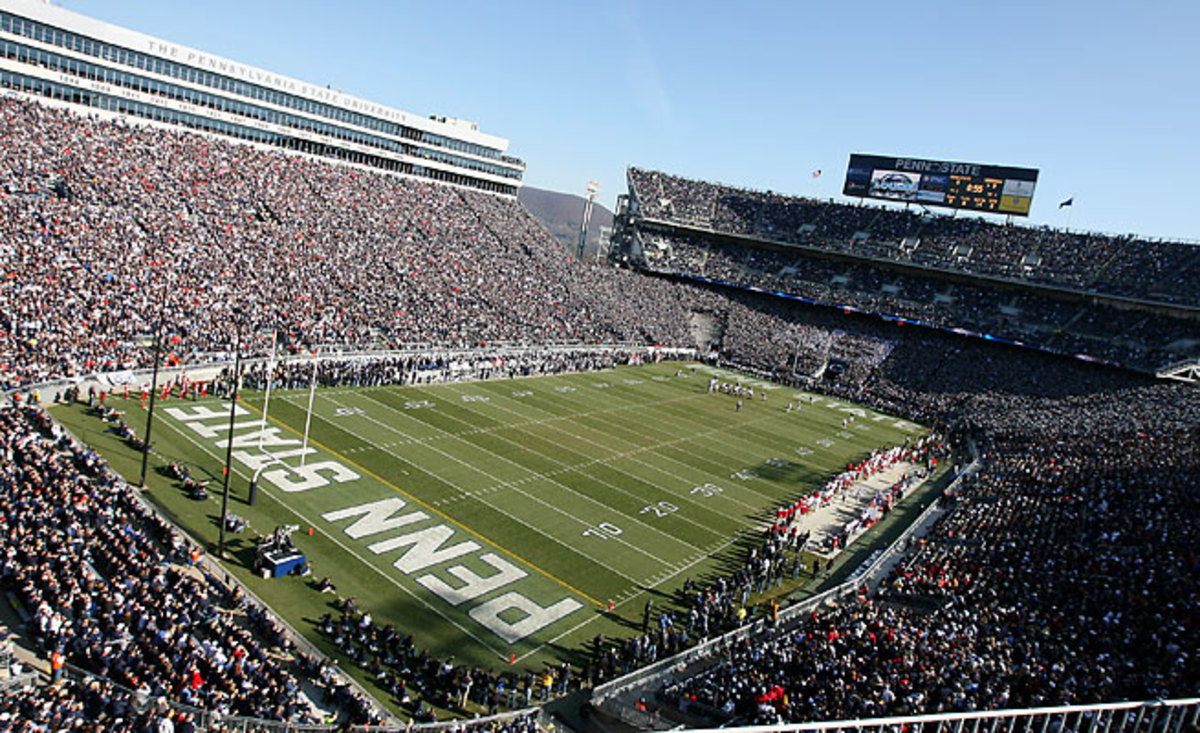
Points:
(1101, 96)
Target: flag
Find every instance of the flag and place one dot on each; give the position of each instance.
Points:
(1068, 202)
(817, 173)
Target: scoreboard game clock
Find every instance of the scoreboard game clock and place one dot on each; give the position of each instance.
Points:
(969, 192)
(955, 185)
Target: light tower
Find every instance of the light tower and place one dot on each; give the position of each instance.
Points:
(592, 188)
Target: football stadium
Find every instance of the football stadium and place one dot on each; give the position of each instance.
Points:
(311, 425)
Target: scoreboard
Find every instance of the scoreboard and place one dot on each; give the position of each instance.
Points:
(993, 188)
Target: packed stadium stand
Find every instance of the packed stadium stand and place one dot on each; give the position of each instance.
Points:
(1115, 265)
(112, 226)
(107, 585)
(65, 57)
(1065, 571)
(1118, 299)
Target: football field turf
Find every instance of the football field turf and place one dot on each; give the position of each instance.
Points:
(504, 518)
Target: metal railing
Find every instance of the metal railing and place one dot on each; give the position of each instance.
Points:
(17, 682)
(616, 697)
(209, 564)
(203, 719)
(491, 722)
(1156, 716)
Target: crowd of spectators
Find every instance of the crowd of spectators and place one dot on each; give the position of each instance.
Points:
(1132, 337)
(422, 682)
(108, 230)
(72, 705)
(1117, 265)
(1076, 532)
(111, 231)
(1064, 573)
(435, 366)
(110, 588)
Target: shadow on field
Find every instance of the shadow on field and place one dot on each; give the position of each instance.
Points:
(620, 620)
(242, 551)
(577, 656)
(733, 558)
(790, 471)
(653, 591)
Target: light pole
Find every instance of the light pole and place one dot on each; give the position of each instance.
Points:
(237, 366)
(592, 188)
(150, 412)
(162, 318)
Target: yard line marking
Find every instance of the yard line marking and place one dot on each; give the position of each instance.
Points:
(596, 413)
(464, 493)
(568, 468)
(723, 427)
(645, 448)
(733, 426)
(477, 430)
(584, 426)
(673, 442)
(671, 571)
(629, 594)
(534, 473)
(438, 512)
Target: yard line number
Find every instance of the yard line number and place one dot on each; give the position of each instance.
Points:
(603, 530)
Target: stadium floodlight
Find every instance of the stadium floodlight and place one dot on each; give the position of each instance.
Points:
(592, 188)
(237, 366)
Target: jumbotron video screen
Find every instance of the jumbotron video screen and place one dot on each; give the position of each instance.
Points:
(974, 186)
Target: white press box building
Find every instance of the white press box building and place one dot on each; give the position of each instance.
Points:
(55, 54)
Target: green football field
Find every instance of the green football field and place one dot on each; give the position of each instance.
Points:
(504, 518)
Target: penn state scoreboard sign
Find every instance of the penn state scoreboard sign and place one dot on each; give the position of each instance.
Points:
(992, 188)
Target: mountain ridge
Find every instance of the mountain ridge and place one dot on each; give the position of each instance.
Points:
(561, 213)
